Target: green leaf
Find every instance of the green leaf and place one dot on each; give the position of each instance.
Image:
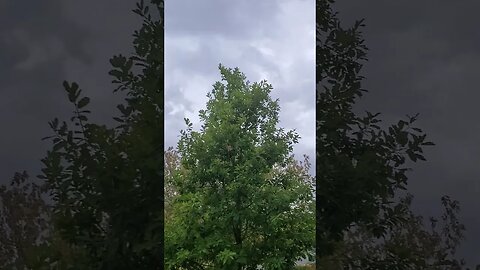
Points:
(412, 155)
(82, 118)
(117, 61)
(116, 73)
(59, 146)
(71, 90)
(420, 157)
(118, 119)
(83, 102)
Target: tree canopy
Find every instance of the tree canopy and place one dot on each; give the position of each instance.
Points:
(243, 201)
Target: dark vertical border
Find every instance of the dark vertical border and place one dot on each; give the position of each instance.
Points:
(162, 94)
(320, 9)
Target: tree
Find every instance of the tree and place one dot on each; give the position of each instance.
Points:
(361, 166)
(242, 199)
(106, 183)
(28, 239)
(24, 222)
(172, 166)
(412, 244)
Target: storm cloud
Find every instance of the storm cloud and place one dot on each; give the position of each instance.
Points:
(42, 44)
(423, 57)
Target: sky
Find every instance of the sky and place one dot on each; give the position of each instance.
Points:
(59, 40)
(270, 39)
(423, 57)
(41, 45)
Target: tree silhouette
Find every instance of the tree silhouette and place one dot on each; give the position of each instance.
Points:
(106, 183)
(361, 167)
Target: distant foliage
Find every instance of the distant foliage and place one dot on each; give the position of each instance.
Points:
(24, 223)
(172, 167)
(411, 244)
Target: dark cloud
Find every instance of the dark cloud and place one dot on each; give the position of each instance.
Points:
(225, 18)
(423, 58)
(42, 44)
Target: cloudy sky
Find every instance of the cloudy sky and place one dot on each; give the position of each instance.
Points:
(43, 43)
(270, 39)
(58, 40)
(424, 58)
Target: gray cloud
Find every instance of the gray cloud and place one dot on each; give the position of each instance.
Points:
(271, 40)
(42, 44)
(238, 19)
(423, 58)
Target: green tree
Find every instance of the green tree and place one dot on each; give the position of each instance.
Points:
(172, 166)
(242, 199)
(106, 183)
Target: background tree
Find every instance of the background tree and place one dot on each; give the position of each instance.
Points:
(172, 166)
(242, 200)
(24, 222)
(106, 183)
(411, 244)
(28, 239)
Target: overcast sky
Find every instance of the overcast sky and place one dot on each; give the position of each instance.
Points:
(424, 58)
(269, 39)
(43, 43)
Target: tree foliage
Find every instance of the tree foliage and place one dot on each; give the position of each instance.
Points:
(411, 244)
(106, 183)
(242, 199)
(172, 166)
(24, 222)
(28, 239)
(362, 166)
